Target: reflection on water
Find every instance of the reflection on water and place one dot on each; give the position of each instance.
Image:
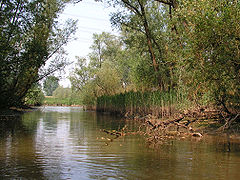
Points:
(66, 143)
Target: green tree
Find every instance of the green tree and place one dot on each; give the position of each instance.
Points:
(34, 96)
(50, 84)
(144, 24)
(80, 74)
(107, 80)
(105, 47)
(62, 92)
(102, 75)
(210, 64)
(29, 37)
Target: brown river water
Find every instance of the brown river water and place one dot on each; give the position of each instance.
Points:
(67, 143)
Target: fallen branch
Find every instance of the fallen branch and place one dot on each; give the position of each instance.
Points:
(229, 122)
(116, 133)
(164, 123)
(112, 133)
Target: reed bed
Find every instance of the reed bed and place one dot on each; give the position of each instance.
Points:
(159, 104)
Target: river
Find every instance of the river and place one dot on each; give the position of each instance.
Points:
(67, 143)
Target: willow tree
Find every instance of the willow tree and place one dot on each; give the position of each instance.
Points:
(102, 74)
(210, 57)
(30, 36)
(105, 47)
(146, 20)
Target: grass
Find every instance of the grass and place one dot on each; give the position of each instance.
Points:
(52, 101)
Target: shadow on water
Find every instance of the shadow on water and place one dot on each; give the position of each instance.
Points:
(67, 143)
(17, 151)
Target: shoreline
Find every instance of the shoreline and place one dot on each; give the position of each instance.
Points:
(190, 123)
(14, 113)
(195, 123)
(61, 105)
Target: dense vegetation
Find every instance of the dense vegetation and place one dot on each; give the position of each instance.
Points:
(63, 97)
(30, 36)
(68, 101)
(187, 49)
(34, 96)
(130, 104)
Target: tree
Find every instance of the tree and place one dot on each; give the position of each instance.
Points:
(62, 92)
(210, 63)
(146, 20)
(102, 75)
(105, 47)
(34, 96)
(30, 36)
(107, 80)
(50, 84)
(80, 74)
(137, 12)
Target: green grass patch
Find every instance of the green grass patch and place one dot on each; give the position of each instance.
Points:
(53, 101)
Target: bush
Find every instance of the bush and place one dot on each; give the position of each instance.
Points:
(34, 97)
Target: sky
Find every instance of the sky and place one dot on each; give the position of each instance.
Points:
(93, 17)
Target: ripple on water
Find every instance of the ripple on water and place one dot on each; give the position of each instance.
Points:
(66, 143)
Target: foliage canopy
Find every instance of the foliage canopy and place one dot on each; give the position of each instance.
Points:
(29, 37)
(50, 84)
(189, 47)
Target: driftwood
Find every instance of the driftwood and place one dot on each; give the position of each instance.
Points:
(164, 124)
(160, 131)
(229, 121)
(113, 133)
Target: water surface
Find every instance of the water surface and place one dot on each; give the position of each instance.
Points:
(67, 143)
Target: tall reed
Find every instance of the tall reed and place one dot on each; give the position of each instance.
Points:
(159, 104)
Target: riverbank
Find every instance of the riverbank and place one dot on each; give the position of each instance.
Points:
(195, 122)
(191, 124)
(170, 111)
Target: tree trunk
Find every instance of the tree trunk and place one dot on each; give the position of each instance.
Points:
(149, 39)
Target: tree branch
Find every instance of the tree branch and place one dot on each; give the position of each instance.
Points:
(165, 2)
(130, 6)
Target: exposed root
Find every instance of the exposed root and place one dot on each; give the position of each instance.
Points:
(162, 130)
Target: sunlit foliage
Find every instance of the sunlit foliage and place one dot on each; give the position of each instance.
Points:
(188, 47)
